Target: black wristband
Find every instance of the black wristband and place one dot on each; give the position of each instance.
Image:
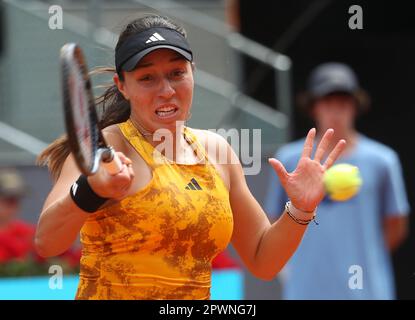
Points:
(84, 197)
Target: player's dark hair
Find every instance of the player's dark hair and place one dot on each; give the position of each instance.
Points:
(112, 105)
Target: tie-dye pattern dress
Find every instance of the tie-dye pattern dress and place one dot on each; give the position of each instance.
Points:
(159, 242)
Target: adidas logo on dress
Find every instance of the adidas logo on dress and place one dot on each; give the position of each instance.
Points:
(155, 37)
(193, 185)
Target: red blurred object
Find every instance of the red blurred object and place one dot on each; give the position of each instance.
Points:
(16, 241)
(224, 261)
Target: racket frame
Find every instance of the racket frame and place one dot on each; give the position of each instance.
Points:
(71, 59)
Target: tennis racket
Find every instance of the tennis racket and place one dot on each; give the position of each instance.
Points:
(86, 141)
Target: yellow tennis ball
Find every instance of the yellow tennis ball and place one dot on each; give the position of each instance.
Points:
(342, 181)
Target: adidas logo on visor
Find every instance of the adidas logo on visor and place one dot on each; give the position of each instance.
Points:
(155, 37)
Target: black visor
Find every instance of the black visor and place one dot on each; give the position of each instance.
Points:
(137, 46)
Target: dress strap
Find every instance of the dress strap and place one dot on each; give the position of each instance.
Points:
(139, 143)
(150, 154)
(197, 147)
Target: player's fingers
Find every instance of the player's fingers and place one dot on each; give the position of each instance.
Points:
(334, 154)
(124, 159)
(323, 145)
(124, 179)
(127, 165)
(279, 169)
(308, 144)
(130, 170)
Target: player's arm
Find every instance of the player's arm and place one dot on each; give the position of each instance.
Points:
(395, 203)
(61, 219)
(263, 247)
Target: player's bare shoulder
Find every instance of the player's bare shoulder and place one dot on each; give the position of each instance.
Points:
(115, 138)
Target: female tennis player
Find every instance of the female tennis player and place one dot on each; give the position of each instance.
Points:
(152, 230)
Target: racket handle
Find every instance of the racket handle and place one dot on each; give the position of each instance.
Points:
(111, 162)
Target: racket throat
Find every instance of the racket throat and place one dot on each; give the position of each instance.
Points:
(107, 154)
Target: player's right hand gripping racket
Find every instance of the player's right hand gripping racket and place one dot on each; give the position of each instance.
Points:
(86, 141)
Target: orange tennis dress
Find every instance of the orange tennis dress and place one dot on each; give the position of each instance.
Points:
(159, 242)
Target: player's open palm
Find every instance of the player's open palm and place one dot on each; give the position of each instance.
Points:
(304, 186)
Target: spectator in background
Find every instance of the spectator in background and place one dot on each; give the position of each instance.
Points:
(346, 256)
(15, 235)
(17, 253)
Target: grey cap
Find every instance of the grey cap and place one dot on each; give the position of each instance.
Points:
(332, 77)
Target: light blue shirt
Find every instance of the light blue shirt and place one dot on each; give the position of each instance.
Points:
(345, 257)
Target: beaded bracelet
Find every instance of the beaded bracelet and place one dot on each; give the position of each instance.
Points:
(296, 219)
